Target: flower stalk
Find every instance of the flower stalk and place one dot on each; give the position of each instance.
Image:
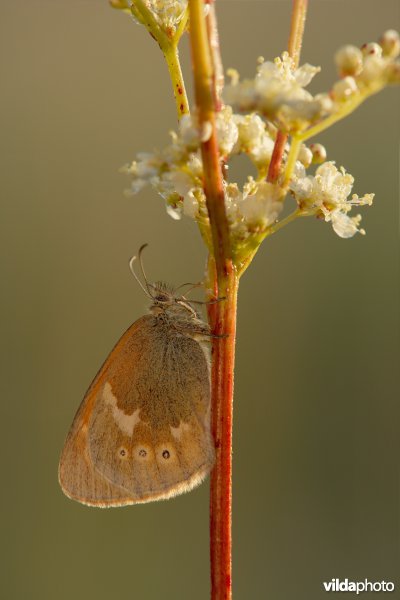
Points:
(168, 40)
(299, 13)
(171, 55)
(346, 109)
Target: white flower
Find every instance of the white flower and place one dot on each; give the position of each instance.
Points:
(262, 207)
(233, 196)
(253, 139)
(144, 170)
(168, 13)
(191, 134)
(327, 193)
(278, 93)
(176, 181)
(227, 131)
(190, 205)
(343, 225)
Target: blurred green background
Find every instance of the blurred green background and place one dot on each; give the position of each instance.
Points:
(316, 405)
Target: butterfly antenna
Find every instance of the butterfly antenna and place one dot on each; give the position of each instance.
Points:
(145, 289)
(193, 286)
(148, 285)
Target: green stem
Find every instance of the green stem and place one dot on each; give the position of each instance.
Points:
(182, 26)
(347, 108)
(250, 249)
(292, 157)
(169, 47)
(171, 55)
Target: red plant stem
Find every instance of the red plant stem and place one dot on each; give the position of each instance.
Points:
(299, 12)
(222, 315)
(212, 175)
(274, 168)
(218, 70)
(223, 319)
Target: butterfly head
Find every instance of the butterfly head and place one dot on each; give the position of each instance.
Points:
(167, 303)
(165, 299)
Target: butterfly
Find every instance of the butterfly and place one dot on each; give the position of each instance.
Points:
(142, 432)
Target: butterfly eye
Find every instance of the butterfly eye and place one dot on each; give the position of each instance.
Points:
(166, 454)
(161, 297)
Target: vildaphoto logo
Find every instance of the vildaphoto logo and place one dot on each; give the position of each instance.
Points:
(345, 585)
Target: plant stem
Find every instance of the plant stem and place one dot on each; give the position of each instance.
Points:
(213, 185)
(218, 70)
(348, 107)
(168, 43)
(299, 12)
(291, 159)
(274, 168)
(223, 321)
(171, 55)
(223, 281)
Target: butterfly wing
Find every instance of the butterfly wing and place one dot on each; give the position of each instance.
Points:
(142, 432)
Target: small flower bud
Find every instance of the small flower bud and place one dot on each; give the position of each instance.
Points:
(349, 60)
(371, 49)
(390, 43)
(233, 75)
(373, 71)
(318, 152)
(120, 4)
(393, 72)
(344, 88)
(305, 156)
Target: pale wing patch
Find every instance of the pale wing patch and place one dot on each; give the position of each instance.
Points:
(125, 422)
(177, 432)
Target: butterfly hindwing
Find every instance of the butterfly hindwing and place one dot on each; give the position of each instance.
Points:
(142, 432)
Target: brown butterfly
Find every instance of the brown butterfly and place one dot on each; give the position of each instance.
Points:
(142, 432)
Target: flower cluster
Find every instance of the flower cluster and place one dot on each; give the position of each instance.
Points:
(275, 100)
(277, 91)
(371, 66)
(168, 14)
(326, 195)
(176, 172)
